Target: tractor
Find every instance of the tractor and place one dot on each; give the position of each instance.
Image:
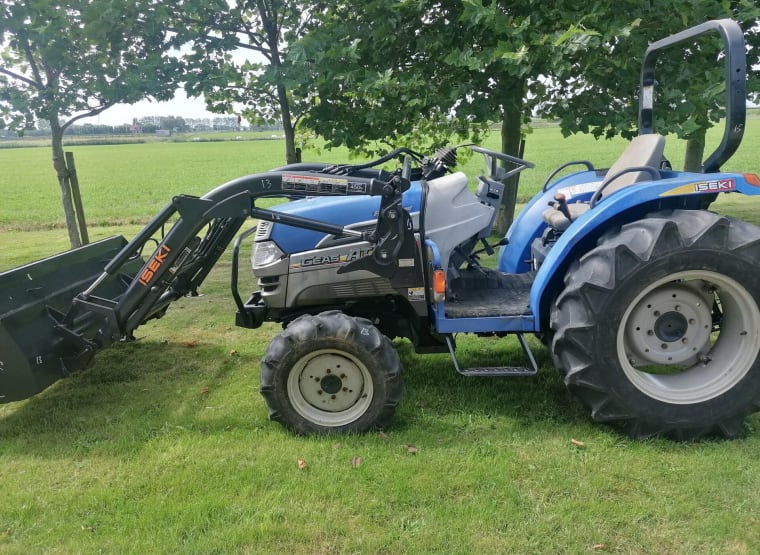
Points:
(645, 298)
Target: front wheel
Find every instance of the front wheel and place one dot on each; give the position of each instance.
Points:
(331, 373)
(658, 328)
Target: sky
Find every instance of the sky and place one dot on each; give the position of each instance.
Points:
(181, 105)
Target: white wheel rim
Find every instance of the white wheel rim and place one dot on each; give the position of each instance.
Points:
(668, 328)
(330, 387)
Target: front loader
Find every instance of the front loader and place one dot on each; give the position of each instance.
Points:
(647, 300)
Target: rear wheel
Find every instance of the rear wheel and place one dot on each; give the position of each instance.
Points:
(331, 373)
(658, 328)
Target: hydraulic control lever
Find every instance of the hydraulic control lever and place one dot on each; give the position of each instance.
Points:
(560, 203)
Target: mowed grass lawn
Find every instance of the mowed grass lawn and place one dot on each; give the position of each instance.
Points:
(164, 446)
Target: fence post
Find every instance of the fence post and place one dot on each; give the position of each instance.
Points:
(76, 197)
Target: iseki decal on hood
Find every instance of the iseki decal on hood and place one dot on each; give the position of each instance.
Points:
(711, 186)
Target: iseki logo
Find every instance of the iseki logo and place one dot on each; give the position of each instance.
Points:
(716, 186)
(154, 264)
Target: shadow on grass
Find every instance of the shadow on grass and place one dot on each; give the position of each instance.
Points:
(444, 402)
(133, 394)
(433, 387)
(144, 392)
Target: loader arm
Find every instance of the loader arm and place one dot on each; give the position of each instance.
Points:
(58, 312)
(180, 263)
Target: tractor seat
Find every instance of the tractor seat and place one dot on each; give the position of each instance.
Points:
(643, 150)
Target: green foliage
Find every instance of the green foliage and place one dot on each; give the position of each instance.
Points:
(434, 70)
(597, 91)
(260, 87)
(70, 62)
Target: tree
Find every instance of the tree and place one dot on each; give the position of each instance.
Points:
(437, 68)
(173, 123)
(64, 62)
(259, 76)
(597, 90)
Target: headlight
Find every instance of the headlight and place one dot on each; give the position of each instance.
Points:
(265, 253)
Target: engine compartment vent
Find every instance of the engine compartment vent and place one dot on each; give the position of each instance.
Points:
(263, 229)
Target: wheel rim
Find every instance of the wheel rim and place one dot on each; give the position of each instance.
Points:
(689, 337)
(330, 387)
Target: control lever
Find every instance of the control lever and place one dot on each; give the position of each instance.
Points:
(489, 249)
(560, 203)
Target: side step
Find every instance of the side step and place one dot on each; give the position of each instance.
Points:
(497, 371)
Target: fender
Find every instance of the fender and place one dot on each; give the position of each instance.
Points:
(679, 190)
(514, 258)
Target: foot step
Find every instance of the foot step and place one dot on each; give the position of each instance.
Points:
(497, 371)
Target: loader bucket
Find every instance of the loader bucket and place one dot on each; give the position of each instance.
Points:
(34, 300)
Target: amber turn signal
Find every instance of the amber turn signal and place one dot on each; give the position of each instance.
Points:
(439, 286)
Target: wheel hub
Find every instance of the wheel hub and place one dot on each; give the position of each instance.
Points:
(331, 384)
(329, 381)
(670, 325)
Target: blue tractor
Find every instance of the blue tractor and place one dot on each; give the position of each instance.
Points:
(646, 299)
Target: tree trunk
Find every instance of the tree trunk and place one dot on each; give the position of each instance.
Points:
(695, 150)
(291, 156)
(270, 22)
(511, 139)
(59, 164)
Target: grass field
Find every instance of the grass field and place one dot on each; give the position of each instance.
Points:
(163, 445)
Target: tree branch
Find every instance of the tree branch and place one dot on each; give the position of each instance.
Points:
(19, 77)
(32, 62)
(90, 113)
(257, 45)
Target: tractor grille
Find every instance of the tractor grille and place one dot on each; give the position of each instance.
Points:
(269, 284)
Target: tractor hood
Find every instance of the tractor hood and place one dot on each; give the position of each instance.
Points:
(357, 212)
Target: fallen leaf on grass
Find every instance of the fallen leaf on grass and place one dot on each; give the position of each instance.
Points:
(88, 528)
(234, 353)
(356, 462)
(577, 443)
(190, 344)
(204, 390)
(411, 449)
(599, 546)
(385, 437)
(302, 464)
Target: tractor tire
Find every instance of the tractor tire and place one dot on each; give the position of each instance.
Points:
(331, 373)
(658, 327)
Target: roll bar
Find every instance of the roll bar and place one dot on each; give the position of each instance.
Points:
(736, 76)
